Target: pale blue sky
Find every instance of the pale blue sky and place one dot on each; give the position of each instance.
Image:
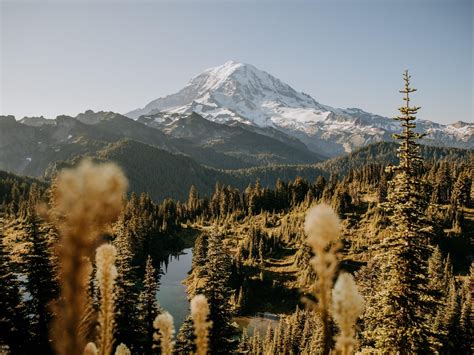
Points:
(64, 57)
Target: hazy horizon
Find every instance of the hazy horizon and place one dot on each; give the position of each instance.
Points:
(68, 57)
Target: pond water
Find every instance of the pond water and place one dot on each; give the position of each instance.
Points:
(173, 298)
(172, 293)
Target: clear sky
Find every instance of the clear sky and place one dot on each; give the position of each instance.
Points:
(64, 57)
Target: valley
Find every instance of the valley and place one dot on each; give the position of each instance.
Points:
(236, 177)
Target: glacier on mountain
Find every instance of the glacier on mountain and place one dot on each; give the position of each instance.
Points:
(237, 92)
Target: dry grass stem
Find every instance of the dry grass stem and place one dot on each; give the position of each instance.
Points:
(86, 200)
(164, 324)
(106, 275)
(322, 226)
(90, 349)
(348, 305)
(200, 313)
(122, 350)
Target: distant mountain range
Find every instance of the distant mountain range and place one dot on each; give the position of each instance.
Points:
(231, 124)
(31, 145)
(148, 162)
(238, 94)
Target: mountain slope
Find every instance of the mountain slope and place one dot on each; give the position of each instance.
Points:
(31, 146)
(236, 92)
(250, 146)
(383, 153)
(161, 173)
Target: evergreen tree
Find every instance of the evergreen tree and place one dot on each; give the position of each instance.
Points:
(128, 329)
(256, 344)
(268, 340)
(218, 295)
(466, 334)
(439, 286)
(244, 345)
(461, 196)
(319, 186)
(382, 189)
(40, 275)
(185, 338)
(403, 299)
(13, 322)
(149, 307)
(90, 322)
(450, 320)
(192, 205)
(200, 254)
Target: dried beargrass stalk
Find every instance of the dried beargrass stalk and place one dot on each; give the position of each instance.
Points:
(90, 349)
(348, 305)
(164, 324)
(122, 350)
(86, 200)
(200, 313)
(106, 275)
(322, 226)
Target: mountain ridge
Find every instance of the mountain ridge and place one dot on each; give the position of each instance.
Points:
(238, 92)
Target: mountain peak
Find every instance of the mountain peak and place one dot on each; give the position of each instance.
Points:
(229, 67)
(239, 92)
(230, 64)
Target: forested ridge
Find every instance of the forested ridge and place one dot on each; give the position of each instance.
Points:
(261, 232)
(365, 253)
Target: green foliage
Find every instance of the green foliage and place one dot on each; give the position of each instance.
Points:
(13, 314)
(185, 338)
(399, 308)
(41, 283)
(252, 256)
(149, 307)
(218, 294)
(129, 329)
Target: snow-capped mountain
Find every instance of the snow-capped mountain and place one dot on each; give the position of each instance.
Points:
(237, 92)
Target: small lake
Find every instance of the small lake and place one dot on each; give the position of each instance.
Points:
(173, 298)
(172, 293)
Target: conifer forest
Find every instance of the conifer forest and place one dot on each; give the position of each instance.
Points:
(232, 213)
(374, 260)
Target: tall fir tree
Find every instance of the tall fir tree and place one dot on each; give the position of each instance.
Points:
(13, 321)
(399, 308)
(185, 339)
(218, 294)
(128, 328)
(466, 332)
(149, 307)
(40, 275)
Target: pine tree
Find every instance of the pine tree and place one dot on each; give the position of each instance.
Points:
(149, 307)
(382, 189)
(256, 344)
(403, 299)
(185, 338)
(461, 195)
(41, 279)
(439, 286)
(13, 322)
(319, 186)
(90, 321)
(466, 334)
(218, 295)
(192, 204)
(450, 320)
(200, 254)
(128, 329)
(240, 303)
(268, 340)
(244, 345)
